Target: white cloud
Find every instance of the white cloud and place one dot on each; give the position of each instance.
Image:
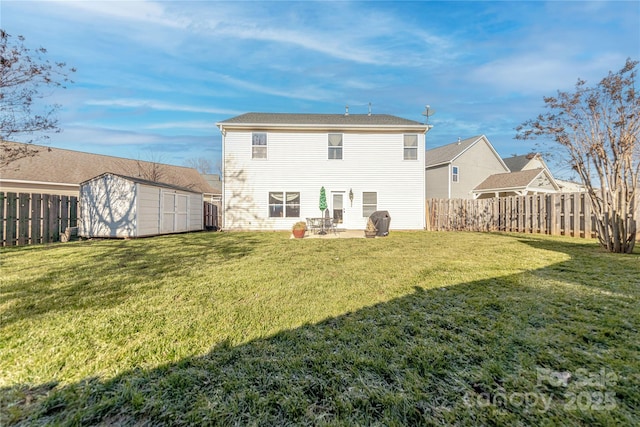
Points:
(156, 105)
(139, 11)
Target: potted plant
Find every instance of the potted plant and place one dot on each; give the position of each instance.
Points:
(370, 230)
(299, 229)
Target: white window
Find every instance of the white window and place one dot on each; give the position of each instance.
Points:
(369, 203)
(283, 204)
(335, 146)
(454, 174)
(411, 147)
(259, 145)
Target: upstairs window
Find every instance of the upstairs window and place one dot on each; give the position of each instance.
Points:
(369, 203)
(283, 204)
(335, 146)
(454, 174)
(411, 147)
(259, 145)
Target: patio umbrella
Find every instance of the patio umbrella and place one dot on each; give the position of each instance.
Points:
(323, 200)
(323, 205)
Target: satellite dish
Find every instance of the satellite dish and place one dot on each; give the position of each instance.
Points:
(428, 112)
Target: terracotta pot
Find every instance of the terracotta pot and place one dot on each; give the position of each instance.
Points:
(298, 234)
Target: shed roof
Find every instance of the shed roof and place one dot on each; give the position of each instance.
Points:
(57, 165)
(138, 180)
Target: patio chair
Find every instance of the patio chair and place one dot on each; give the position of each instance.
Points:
(329, 223)
(312, 225)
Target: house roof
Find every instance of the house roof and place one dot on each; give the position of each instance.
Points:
(511, 180)
(61, 166)
(314, 120)
(517, 163)
(448, 153)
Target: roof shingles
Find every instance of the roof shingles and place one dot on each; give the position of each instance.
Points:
(294, 119)
(56, 165)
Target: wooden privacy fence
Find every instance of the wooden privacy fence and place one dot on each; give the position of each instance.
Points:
(35, 218)
(211, 216)
(556, 214)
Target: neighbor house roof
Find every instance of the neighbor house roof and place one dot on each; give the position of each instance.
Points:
(516, 163)
(61, 166)
(512, 181)
(324, 120)
(448, 153)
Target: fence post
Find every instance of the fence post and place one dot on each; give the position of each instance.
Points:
(23, 218)
(2, 210)
(12, 208)
(36, 218)
(64, 213)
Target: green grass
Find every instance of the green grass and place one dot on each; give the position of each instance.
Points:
(256, 328)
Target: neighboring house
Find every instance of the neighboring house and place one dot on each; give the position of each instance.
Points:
(454, 170)
(122, 206)
(529, 175)
(570, 186)
(526, 162)
(59, 171)
(274, 166)
(520, 183)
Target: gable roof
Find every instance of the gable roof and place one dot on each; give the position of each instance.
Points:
(61, 166)
(517, 163)
(265, 120)
(448, 153)
(138, 180)
(512, 180)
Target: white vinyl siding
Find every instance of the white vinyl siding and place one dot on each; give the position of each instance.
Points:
(301, 158)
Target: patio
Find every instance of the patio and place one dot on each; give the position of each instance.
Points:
(339, 234)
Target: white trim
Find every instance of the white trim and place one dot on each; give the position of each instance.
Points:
(22, 181)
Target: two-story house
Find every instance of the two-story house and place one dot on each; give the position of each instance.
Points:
(275, 164)
(454, 170)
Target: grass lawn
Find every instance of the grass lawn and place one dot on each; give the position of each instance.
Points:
(259, 329)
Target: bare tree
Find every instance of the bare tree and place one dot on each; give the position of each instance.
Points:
(24, 73)
(201, 164)
(204, 165)
(598, 130)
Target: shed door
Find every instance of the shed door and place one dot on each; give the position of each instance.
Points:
(182, 221)
(169, 213)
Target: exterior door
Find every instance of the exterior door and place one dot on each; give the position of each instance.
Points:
(337, 207)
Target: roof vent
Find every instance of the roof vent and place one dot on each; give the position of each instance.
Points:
(346, 110)
(458, 140)
(369, 110)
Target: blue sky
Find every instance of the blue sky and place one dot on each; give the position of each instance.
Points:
(155, 76)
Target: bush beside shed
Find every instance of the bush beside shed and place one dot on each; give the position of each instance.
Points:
(119, 206)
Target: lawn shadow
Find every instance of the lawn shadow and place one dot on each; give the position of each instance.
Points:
(467, 354)
(118, 267)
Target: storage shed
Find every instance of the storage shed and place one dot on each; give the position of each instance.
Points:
(113, 205)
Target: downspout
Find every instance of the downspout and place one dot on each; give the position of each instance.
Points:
(222, 180)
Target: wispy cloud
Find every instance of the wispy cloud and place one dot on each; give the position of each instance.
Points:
(156, 105)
